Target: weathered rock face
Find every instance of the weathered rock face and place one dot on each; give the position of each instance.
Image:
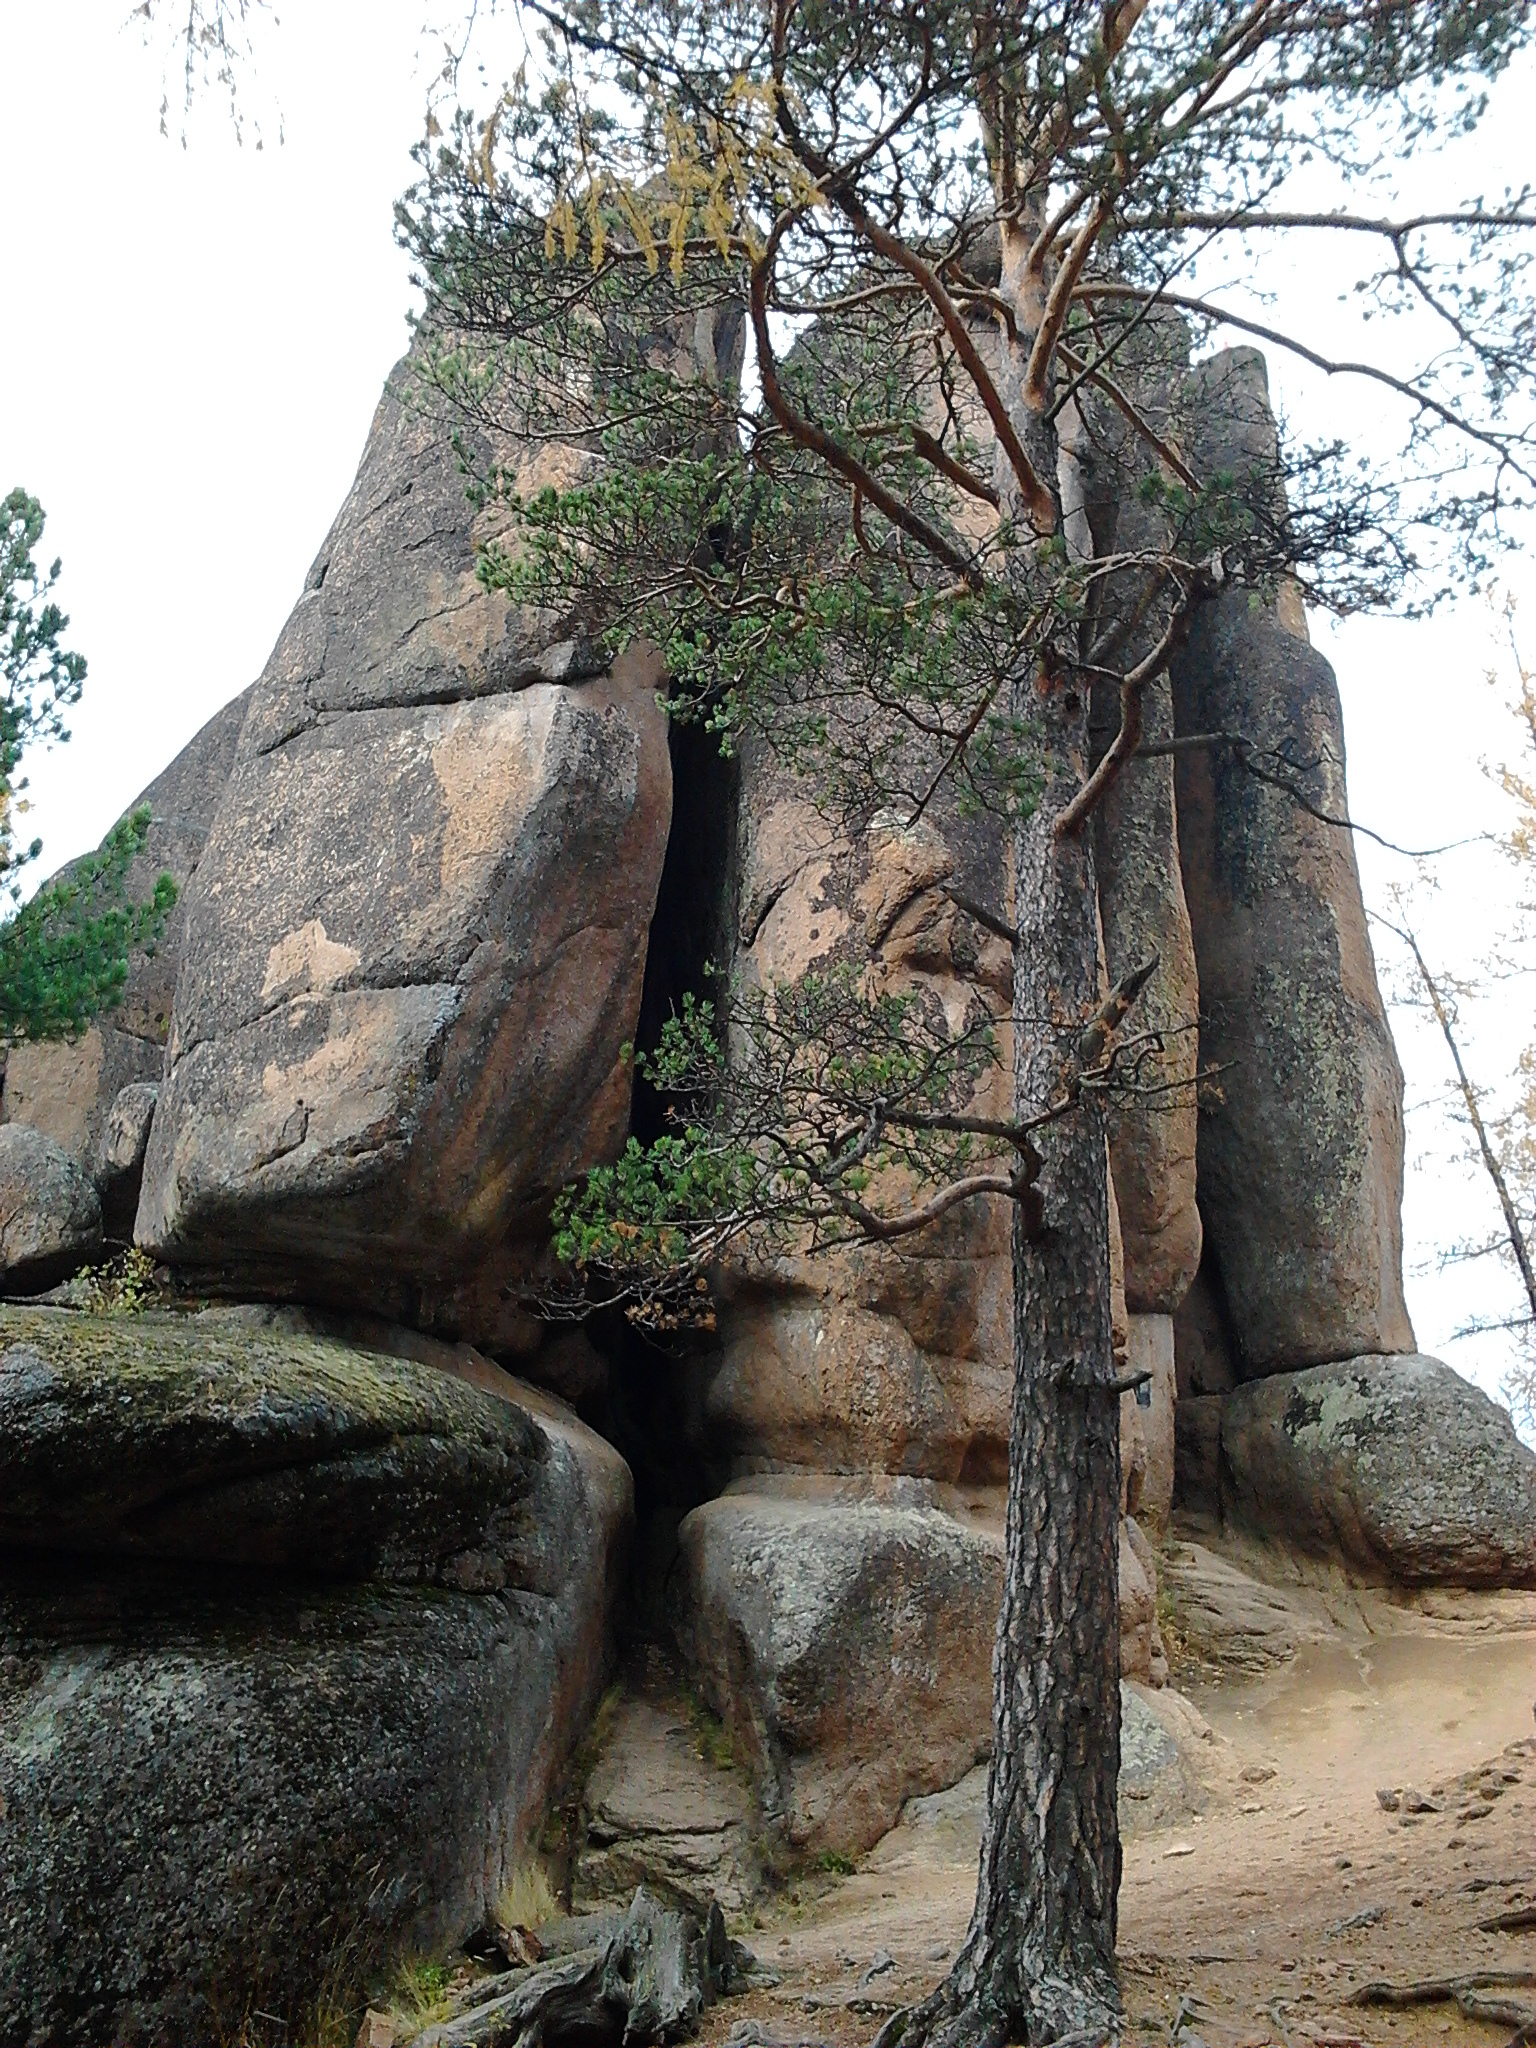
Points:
(50, 1215)
(1396, 1464)
(1150, 1350)
(1142, 911)
(657, 1812)
(67, 1090)
(829, 1384)
(362, 1599)
(1152, 1143)
(878, 1358)
(846, 1643)
(415, 943)
(1301, 1162)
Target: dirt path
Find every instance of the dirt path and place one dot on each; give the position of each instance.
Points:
(1252, 1920)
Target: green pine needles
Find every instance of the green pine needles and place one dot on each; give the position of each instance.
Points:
(65, 953)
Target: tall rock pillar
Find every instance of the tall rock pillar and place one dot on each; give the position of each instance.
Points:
(1301, 1143)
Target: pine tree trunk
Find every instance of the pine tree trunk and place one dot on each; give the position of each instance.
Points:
(1043, 1929)
(1038, 1963)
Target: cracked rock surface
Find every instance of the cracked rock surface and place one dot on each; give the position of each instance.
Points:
(415, 942)
(295, 1636)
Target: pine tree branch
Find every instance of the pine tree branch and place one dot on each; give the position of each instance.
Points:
(817, 441)
(1206, 309)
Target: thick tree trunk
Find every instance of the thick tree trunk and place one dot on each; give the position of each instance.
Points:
(1038, 1964)
(1045, 1916)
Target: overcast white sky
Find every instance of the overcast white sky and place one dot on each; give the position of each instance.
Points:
(193, 340)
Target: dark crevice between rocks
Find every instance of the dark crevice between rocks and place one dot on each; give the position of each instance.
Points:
(654, 1380)
(1206, 1369)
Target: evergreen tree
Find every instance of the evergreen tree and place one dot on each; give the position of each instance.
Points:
(971, 245)
(63, 954)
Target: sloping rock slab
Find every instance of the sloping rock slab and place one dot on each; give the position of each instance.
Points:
(283, 1691)
(1395, 1464)
(50, 1214)
(848, 1647)
(416, 940)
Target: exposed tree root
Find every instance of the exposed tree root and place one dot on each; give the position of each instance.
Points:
(1516, 1921)
(1472, 1993)
(645, 1979)
(1044, 2010)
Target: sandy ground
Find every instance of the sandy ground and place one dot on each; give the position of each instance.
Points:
(1252, 1920)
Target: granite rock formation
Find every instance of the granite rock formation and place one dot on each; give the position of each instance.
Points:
(415, 943)
(294, 1637)
(1301, 1157)
(359, 1580)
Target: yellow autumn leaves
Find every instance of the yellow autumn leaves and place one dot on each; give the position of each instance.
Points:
(719, 177)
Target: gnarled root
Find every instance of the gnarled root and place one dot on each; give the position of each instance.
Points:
(1476, 1994)
(985, 2003)
(646, 1980)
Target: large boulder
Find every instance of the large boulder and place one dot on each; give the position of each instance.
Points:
(847, 1645)
(50, 1214)
(1301, 1143)
(1397, 1465)
(295, 1637)
(843, 1631)
(66, 1088)
(415, 943)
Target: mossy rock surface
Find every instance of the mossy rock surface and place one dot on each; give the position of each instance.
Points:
(296, 1636)
(218, 1798)
(239, 1438)
(1396, 1466)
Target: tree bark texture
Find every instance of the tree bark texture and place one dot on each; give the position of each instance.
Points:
(1050, 1865)
(1038, 1963)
